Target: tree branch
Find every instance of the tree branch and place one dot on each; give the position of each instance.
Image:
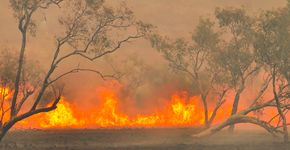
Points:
(78, 70)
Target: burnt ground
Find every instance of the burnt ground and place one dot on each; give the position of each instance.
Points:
(138, 139)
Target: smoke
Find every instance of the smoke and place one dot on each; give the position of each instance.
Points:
(175, 18)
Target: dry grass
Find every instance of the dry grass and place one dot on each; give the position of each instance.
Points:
(137, 139)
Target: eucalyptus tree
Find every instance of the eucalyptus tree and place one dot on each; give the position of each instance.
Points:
(192, 59)
(90, 30)
(262, 50)
(236, 57)
(273, 51)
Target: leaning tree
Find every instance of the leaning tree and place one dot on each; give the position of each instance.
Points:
(265, 54)
(273, 51)
(229, 58)
(90, 30)
(235, 57)
(192, 59)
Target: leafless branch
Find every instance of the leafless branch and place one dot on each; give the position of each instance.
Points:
(104, 77)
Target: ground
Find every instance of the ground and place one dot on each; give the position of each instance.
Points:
(138, 139)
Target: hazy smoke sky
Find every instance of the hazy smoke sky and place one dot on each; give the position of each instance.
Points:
(175, 18)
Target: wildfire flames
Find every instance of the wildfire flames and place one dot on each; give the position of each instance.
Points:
(60, 117)
(177, 113)
(180, 110)
(5, 95)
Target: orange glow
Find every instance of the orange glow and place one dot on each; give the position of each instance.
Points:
(5, 95)
(180, 110)
(177, 113)
(108, 114)
(61, 117)
(4, 92)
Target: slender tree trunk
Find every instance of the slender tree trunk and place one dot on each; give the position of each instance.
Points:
(235, 107)
(2, 133)
(206, 121)
(18, 75)
(1, 136)
(284, 120)
(235, 119)
(213, 115)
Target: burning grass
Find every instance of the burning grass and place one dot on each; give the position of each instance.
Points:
(181, 110)
(178, 112)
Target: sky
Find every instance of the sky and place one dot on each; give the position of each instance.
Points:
(173, 18)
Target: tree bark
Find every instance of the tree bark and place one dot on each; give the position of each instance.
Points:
(18, 75)
(284, 121)
(235, 119)
(235, 106)
(2, 133)
(22, 26)
(206, 121)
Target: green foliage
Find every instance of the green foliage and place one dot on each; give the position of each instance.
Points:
(23, 10)
(176, 52)
(235, 58)
(205, 36)
(97, 28)
(94, 3)
(236, 21)
(8, 65)
(191, 58)
(272, 40)
(31, 73)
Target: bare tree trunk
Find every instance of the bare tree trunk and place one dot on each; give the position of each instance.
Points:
(3, 132)
(22, 26)
(18, 75)
(206, 121)
(212, 116)
(1, 136)
(235, 119)
(284, 121)
(235, 107)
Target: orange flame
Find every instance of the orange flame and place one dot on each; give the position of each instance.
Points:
(180, 111)
(63, 116)
(4, 91)
(177, 113)
(5, 95)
